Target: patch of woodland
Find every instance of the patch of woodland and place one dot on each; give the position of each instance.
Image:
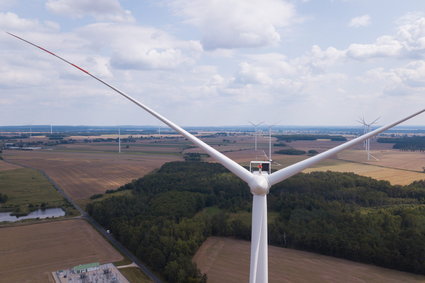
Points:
(170, 212)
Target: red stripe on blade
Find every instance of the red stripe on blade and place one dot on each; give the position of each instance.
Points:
(81, 69)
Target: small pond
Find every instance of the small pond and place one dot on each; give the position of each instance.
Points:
(40, 213)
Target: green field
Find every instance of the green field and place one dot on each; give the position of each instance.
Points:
(135, 275)
(28, 190)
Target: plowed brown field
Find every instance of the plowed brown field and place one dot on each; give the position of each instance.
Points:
(227, 260)
(29, 253)
(82, 174)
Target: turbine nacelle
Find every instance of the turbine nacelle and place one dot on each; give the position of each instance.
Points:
(259, 184)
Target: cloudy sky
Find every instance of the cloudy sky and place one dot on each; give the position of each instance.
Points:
(213, 62)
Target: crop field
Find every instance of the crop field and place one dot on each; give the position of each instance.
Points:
(4, 166)
(227, 260)
(321, 145)
(26, 187)
(397, 159)
(82, 174)
(29, 253)
(134, 148)
(394, 176)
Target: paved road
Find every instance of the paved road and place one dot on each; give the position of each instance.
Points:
(99, 228)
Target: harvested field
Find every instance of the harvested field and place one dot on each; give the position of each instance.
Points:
(29, 253)
(227, 260)
(4, 166)
(397, 159)
(394, 176)
(322, 145)
(81, 175)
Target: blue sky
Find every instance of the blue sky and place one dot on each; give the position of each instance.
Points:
(213, 62)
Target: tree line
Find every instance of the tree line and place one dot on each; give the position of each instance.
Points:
(170, 212)
(406, 143)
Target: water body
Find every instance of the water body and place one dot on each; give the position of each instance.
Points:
(40, 213)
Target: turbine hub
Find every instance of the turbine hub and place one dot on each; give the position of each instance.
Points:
(259, 185)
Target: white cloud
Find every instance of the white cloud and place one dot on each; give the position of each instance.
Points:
(251, 75)
(384, 46)
(141, 47)
(237, 24)
(407, 42)
(361, 21)
(12, 22)
(405, 81)
(319, 59)
(109, 10)
(411, 33)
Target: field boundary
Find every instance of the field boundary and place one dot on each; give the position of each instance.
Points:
(380, 166)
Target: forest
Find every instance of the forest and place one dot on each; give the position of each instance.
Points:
(169, 213)
(406, 143)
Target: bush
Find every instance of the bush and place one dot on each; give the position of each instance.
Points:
(291, 151)
(95, 196)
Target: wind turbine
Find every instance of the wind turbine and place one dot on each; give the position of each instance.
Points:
(270, 141)
(366, 129)
(255, 131)
(259, 181)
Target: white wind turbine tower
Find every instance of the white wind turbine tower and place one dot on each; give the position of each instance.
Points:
(258, 181)
(255, 131)
(270, 141)
(119, 140)
(366, 129)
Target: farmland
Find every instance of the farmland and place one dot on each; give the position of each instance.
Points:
(4, 166)
(394, 176)
(404, 160)
(30, 252)
(86, 168)
(397, 167)
(227, 260)
(29, 190)
(82, 174)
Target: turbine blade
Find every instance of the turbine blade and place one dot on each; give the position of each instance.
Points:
(361, 122)
(259, 249)
(293, 169)
(234, 167)
(374, 121)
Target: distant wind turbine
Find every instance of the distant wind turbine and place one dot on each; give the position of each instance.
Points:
(366, 129)
(255, 132)
(259, 181)
(270, 140)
